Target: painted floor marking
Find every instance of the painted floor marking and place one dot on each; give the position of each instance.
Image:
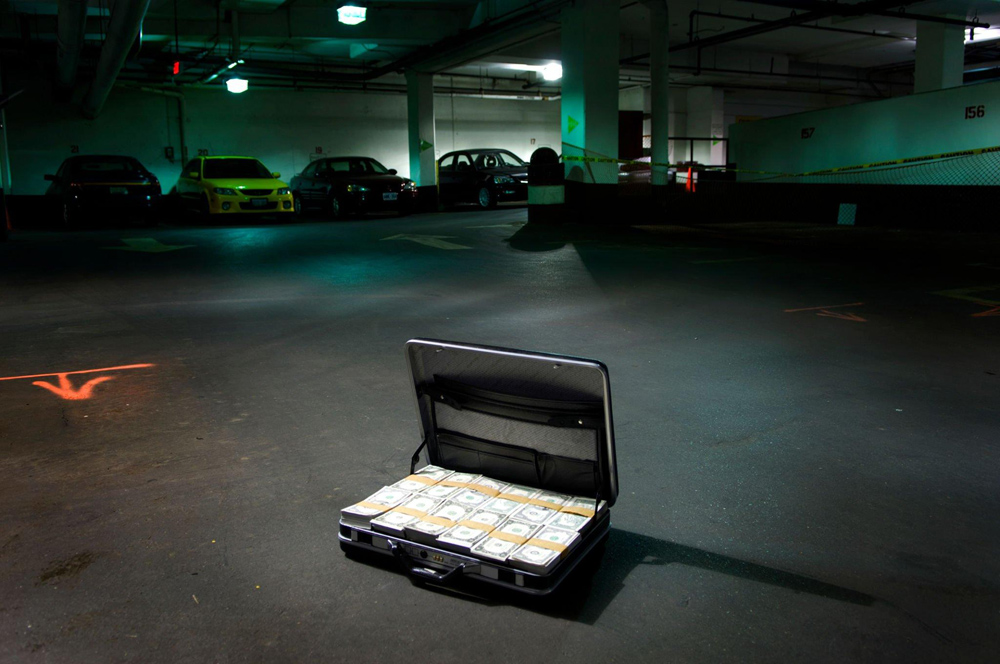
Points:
(436, 241)
(731, 260)
(967, 294)
(65, 388)
(147, 245)
(848, 316)
(995, 311)
(832, 306)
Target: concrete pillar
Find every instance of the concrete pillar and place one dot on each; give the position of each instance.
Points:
(659, 105)
(420, 127)
(590, 100)
(705, 118)
(940, 56)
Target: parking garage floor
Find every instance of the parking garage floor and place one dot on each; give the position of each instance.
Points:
(807, 428)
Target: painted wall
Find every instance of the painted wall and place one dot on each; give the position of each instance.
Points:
(282, 128)
(896, 128)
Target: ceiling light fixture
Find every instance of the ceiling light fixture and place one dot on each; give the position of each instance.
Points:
(552, 72)
(237, 85)
(976, 35)
(351, 14)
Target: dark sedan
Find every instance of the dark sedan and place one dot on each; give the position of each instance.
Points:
(351, 185)
(88, 187)
(484, 177)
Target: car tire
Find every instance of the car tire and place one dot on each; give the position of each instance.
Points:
(70, 218)
(300, 210)
(485, 198)
(334, 208)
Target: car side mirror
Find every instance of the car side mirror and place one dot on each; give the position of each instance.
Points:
(193, 175)
(275, 175)
(392, 171)
(50, 177)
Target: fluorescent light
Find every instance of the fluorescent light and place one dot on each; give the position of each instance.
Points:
(234, 63)
(351, 15)
(552, 72)
(237, 85)
(981, 35)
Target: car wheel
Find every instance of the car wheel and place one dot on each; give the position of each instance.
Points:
(299, 210)
(69, 216)
(336, 209)
(485, 198)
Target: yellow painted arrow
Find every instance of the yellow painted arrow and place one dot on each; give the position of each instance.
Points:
(147, 245)
(436, 241)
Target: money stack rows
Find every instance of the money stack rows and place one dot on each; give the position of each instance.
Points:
(528, 528)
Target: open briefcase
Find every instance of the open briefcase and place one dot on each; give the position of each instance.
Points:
(533, 428)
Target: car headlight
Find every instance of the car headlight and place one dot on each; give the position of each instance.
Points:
(409, 185)
(502, 179)
(283, 191)
(351, 188)
(225, 191)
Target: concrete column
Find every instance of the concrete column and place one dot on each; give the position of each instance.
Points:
(420, 126)
(940, 56)
(705, 119)
(590, 99)
(659, 70)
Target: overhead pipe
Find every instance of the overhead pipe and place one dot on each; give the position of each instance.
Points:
(846, 10)
(826, 9)
(126, 21)
(71, 28)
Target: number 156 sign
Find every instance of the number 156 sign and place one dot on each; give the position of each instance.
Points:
(974, 112)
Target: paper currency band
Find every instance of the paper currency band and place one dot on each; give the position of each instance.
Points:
(545, 503)
(409, 511)
(477, 525)
(454, 483)
(439, 521)
(513, 497)
(489, 491)
(420, 478)
(372, 506)
(546, 544)
(507, 537)
(580, 511)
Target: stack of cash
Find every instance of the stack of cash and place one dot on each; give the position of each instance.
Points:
(543, 551)
(534, 513)
(361, 514)
(427, 528)
(503, 541)
(395, 520)
(469, 531)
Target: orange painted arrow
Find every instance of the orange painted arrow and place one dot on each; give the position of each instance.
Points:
(832, 314)
(66, 389)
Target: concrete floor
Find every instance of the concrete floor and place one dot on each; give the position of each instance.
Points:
(816, 485)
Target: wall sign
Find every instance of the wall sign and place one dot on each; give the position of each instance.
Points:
(975, 112)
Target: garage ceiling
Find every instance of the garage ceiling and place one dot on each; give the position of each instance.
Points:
(478, 45)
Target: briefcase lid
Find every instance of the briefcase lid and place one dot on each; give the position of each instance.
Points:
(516, 415)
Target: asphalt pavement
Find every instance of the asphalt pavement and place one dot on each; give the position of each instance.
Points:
(807, 430)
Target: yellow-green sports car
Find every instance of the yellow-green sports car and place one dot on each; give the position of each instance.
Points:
(232, 185)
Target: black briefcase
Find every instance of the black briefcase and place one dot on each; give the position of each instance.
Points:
(525, 418)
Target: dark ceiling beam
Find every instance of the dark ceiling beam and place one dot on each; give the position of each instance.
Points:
(824, 5)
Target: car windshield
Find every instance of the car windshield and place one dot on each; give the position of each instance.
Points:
(355, 165)
(235, 168)
(104, 165)
(494, 159)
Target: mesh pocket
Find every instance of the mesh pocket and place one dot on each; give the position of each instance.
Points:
(560, 441)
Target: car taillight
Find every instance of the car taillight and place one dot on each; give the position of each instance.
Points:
(75, 185)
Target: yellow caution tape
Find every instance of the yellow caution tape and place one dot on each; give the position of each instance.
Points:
(907, 160)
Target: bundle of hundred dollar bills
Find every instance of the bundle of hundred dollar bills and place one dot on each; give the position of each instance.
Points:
(528, 528)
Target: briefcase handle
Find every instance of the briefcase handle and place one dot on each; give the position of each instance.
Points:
(416, 570)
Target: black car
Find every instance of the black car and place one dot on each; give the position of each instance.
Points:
(483, 177)
(352, 185)
(87, 187)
